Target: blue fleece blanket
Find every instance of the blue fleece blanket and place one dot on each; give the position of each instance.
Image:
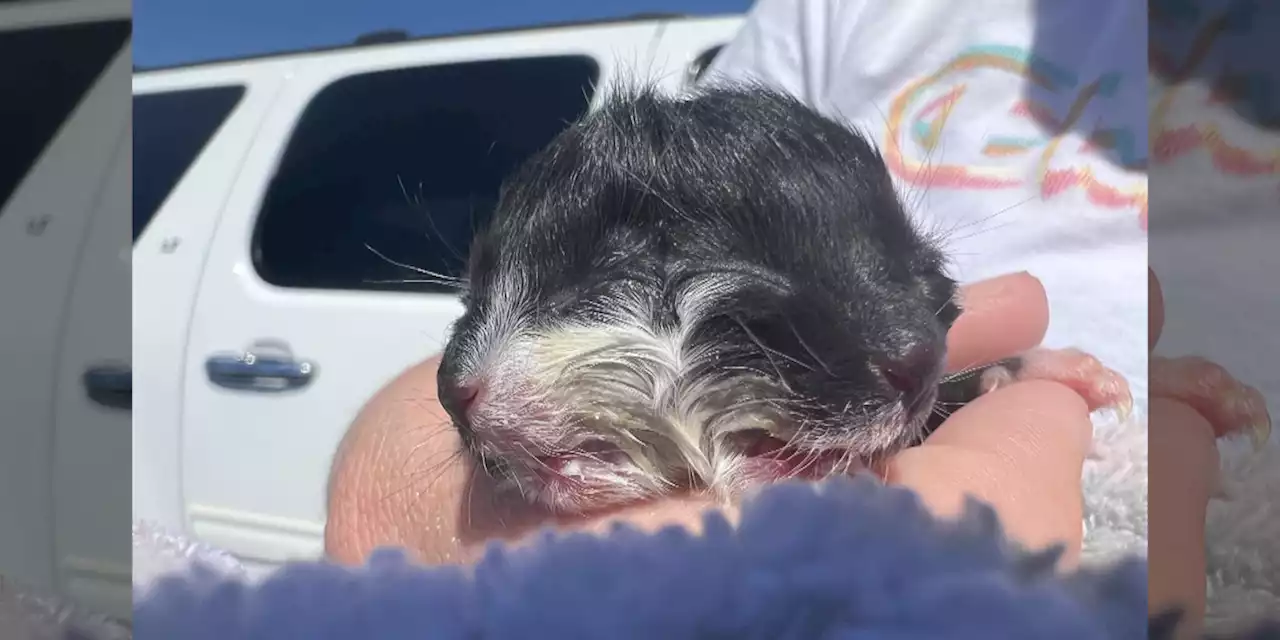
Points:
(849, 559)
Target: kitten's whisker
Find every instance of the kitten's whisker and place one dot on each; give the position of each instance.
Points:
(402, 265)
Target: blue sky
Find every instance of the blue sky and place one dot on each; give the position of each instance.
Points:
(179, 31)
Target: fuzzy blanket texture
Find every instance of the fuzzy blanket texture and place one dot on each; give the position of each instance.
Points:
(1242, 530)
(848, 559)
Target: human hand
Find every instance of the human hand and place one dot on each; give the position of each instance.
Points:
(1193, 402)
(399, 480)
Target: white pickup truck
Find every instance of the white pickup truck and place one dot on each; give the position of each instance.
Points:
(282, 206)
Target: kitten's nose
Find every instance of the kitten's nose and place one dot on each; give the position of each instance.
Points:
(458, 398)
(913, 371)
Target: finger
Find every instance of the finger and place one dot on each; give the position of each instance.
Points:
(400, 478)
(1002, 317)
(1155, 309)
(1183, 474)
(1020, 449)
(1230, 406)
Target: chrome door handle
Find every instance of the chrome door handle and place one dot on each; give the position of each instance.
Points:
(110, 385)
(251, 371)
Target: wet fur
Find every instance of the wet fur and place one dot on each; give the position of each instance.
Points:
(672, 271)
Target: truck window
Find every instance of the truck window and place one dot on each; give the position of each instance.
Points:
(401, 166)
(170, 129)
(44, 74)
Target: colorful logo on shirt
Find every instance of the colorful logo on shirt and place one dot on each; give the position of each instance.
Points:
(912, 119)
(1228, 87)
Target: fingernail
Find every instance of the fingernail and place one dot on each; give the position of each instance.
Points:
(1258, 424)
(1124, 410)
(1260, 434)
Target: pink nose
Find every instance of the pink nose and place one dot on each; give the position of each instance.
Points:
(468, 394)
(459, 398)
(910, 372)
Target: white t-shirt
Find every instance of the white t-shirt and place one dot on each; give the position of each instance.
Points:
(1217, 178)
(1019, 126)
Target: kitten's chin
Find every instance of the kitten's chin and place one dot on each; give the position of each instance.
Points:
(580, 485)
(812, 466)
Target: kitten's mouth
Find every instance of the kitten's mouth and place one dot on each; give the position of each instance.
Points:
(766, 458)
(599, 474)
(573, 463)
(770, 458)
(577, 465)
(591, 476)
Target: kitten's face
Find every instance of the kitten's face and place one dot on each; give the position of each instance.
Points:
(714, 292)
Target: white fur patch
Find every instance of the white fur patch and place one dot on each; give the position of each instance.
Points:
(607, 377)
(614, 377)
(631, 383)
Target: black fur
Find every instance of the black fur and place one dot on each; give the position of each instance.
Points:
(649, 191)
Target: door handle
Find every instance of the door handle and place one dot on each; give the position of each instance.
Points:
(250, 371)
(110, 385)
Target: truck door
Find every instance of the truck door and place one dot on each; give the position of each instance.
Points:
(62, 115)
